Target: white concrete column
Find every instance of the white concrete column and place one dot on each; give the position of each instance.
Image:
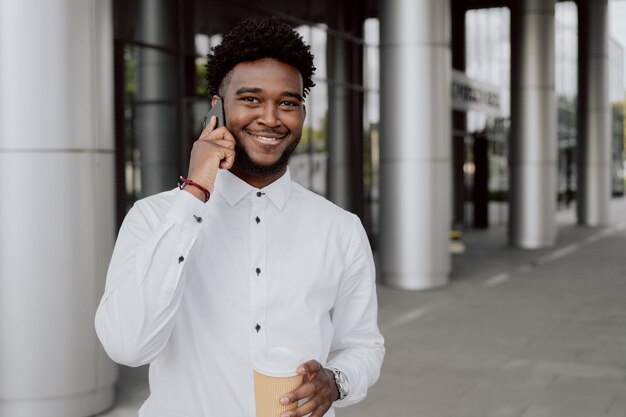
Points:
(415, 143)
(594, 134)
(532, 223)
(57, 212)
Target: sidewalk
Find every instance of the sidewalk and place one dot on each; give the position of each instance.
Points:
(516, 333)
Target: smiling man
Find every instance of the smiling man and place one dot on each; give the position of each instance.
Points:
(266, 120)
(241, 258)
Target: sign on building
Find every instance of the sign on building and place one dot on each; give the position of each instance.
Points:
(469, 94)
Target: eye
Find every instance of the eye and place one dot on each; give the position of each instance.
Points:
(252, 100)
(290, 104)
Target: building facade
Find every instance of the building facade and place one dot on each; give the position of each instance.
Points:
(121, 99)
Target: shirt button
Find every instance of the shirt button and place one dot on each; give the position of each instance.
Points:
(257, 327)
(258, 271)
(198, 218)
(181, 258)
(257, 220)
(259, 194)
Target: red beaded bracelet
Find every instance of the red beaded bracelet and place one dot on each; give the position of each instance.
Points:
(184, 182)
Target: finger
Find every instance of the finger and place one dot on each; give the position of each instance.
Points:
(212, 134)
(207, 142)
(230, 144)
(309, 367)
(210, 126)
(312, 405)
(221, 135)
(223, 149)
(227, 158)
(303, 391)
(308, 386)
(305, 409)
(227, 136)
(228, 162)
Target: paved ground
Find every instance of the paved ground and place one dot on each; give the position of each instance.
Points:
(515, 334)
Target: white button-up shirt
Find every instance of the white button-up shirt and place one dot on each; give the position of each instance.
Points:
(195, 289)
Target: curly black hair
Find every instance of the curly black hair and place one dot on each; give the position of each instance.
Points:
(257, 39)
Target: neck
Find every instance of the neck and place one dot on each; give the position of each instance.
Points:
(256, 181)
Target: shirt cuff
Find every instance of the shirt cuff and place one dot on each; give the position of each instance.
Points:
(186, 207)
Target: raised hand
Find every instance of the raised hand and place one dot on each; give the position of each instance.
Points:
(214, 149)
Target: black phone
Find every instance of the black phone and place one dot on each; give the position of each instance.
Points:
(218, 111)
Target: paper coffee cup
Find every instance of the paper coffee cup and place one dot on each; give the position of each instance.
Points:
(274, 375)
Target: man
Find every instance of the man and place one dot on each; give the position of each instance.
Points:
(195, 288)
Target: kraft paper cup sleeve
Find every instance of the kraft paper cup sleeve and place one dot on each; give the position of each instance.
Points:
(274, 375)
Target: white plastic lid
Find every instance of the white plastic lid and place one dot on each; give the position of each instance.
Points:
(276, 361)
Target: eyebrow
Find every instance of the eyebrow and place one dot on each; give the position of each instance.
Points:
(256, 90)
(293, 95)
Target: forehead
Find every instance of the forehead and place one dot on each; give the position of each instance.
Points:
(266, 74)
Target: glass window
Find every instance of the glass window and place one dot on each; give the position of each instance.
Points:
(566, 76)
(488, 60)
(371, 121)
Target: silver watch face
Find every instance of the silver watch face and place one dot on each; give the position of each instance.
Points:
(342, 383)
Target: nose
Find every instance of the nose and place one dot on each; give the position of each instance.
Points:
(269, 115)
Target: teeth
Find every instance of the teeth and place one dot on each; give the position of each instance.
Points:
(265, 138)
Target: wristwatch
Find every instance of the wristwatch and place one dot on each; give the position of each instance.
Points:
(341, 381)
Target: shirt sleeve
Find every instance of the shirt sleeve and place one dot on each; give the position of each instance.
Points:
(144, 287)
(357, 348)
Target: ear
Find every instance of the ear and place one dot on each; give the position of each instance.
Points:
(304, 111)
(214, 100)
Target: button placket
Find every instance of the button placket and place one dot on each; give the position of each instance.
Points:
(258, 273)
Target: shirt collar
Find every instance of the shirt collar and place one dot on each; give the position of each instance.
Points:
(233, 188)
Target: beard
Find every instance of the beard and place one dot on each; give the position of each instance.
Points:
(245, 163)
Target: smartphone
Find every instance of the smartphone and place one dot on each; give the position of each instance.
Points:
(218, 111)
